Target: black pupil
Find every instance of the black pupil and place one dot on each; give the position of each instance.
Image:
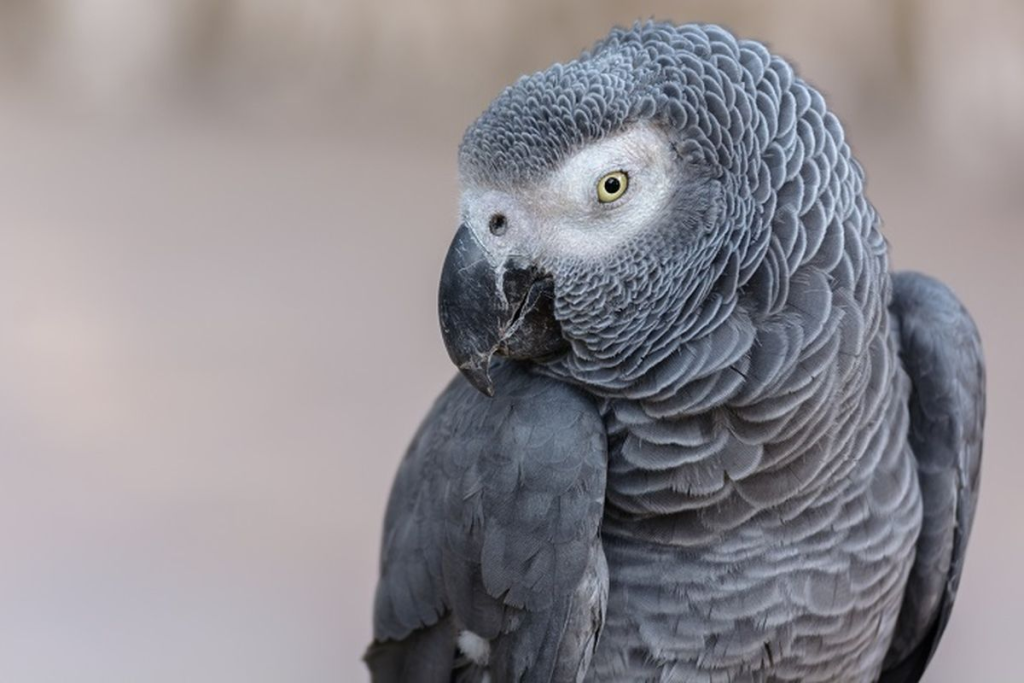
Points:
(497, 224)
(612, 185)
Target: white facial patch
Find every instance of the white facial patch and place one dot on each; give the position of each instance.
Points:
(561, 215)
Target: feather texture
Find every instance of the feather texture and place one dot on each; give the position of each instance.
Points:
(791, 466)
(493, 528)
(941, 350)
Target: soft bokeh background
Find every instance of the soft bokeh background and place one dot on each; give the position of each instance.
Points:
(221, 225)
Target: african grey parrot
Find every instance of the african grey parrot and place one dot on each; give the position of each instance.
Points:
(724, 443)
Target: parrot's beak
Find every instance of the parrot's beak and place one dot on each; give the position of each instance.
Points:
(485, 309)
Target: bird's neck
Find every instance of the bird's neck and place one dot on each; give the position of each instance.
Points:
(766, 410)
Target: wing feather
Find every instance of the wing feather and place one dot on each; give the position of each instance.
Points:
(941, 353)
(493, 526)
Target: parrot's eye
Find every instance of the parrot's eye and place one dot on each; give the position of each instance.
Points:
(611, 186)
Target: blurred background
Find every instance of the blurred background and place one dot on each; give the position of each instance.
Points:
(221, 227)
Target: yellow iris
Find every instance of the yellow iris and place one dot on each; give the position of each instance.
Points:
(611, 186)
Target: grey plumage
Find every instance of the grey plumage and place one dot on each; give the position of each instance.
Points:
(492, 528)
(792, 436)
(941, 351)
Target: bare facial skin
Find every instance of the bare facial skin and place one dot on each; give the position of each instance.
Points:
(561, 215)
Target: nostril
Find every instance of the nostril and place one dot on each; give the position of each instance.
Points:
(498, 224)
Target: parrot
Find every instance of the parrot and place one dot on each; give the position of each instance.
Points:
(700, 431)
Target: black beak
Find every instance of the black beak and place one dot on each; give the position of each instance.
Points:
(486, 309)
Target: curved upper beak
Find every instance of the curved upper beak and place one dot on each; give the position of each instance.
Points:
(486, 308)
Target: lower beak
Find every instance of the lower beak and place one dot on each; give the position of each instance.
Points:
(486, 308)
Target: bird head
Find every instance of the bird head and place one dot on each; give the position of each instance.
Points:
(623, 199)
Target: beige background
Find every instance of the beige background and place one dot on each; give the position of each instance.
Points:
(221, 226)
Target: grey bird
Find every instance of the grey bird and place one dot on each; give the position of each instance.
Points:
(722, 441)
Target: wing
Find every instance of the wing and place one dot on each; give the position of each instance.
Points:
(493, 528)
(941, 352)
